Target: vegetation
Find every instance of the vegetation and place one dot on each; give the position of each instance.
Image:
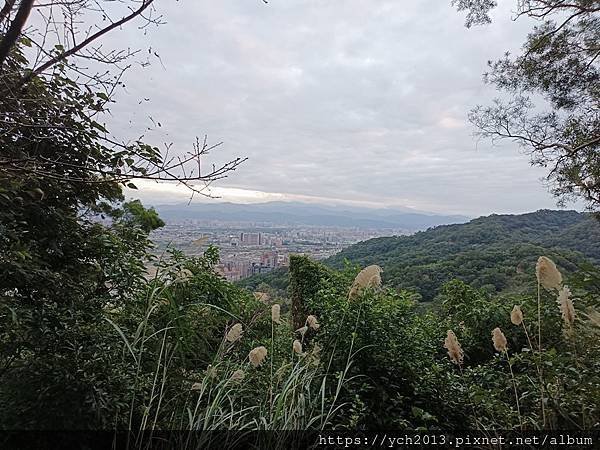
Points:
(187, 350)
(276, 283)
(410, 383)
(496, 253)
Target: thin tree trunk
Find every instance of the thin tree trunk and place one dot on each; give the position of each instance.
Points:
(15, 28)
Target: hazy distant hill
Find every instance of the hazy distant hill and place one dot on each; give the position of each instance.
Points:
(497, 252)
(283, 213)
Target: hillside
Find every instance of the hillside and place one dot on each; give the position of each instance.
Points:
(496, 252)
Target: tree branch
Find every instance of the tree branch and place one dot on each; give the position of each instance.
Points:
(36, 71)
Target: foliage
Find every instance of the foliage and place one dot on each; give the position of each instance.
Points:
(147, 219)
(68, 252)
(154, 356)
(277, 280)
(175, 336)
(496, 253)
(56, 351)
(95, 333)
(401, 377)
(473, 313)
(71, 250)
(306, 277)
(393, 341)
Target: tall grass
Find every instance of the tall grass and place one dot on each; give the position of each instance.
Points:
(300, 392)
(283, 384)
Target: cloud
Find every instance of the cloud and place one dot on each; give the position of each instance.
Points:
(354, 101)
(172, 193)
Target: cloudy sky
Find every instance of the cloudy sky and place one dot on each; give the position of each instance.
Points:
(348, 101)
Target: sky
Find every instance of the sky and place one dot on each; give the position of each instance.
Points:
(339, 102)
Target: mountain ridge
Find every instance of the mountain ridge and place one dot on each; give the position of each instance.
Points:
(295, 213)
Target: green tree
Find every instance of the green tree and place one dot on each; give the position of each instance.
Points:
(70, 249)
(147, 219)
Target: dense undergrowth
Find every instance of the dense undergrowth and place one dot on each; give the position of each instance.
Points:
(185, 349)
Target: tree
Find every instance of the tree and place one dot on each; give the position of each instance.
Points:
(68, 46)
(70, 248)
(552, 91)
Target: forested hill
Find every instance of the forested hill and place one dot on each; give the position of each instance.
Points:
(495, 252)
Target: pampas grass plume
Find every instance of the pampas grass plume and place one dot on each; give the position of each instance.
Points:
(370, 276)
(316, 350)
(297, 346)
(547, 273)
(235, 333)
(257, 356)
(311, 322)
(183, 276)
(455, 352)
(238, 375)
(499, 340)
(276, 313)
(302, 331)
(516, 315)
(565, 303)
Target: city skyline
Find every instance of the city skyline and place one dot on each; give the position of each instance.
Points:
(249, 249)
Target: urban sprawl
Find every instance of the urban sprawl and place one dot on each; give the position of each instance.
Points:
(249, 248)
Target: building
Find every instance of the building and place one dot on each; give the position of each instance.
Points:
(251, 238)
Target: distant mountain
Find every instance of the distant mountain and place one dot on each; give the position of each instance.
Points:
(497, 252)
(294, 213)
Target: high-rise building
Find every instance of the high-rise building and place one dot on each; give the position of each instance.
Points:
(251, 238)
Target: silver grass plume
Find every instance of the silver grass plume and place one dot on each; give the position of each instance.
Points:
(516, 315)
(235, 333)
(257, 356)
(370, 276)
(297, 347)
(302, 331)
(238, 375)
(547, 274)
(455, 352)
(565, 304)
(276, 313)
(183, 276)
(312, 323)
(499, 340)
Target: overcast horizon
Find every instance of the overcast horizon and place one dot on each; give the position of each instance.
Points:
(357, 103)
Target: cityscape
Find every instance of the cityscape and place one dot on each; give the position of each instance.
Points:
(249, 248)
